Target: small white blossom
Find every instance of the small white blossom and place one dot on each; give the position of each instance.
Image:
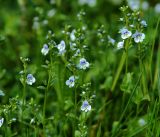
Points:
(52, 1)
(30, 79)
(32, 121)
(138, 37)
(143, 23)
(70, 82)
(157, 8)
(141, 122)
(90, 3)
(45, 49)
(1, 121)
(61, 47)
(83, 64)
(121, 19)
(13, 119)
(51, 13)
(134, 4)
(72, 35)
(125, 33)
(73, 46)
(132, 26)
(86, 106)
(78, 52)
(36, 25)
(120, 44)
(45, 22)
(111, 40)
(2, 93)
(145, 5)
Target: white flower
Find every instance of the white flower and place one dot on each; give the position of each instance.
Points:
(125, 33)
(141, 122)
(143, 23)
(72, 35)
(45, 22)
(73, 46)
(86, 106)
(45, 49)
(1, 121)
(121, 19)
(132, 26)
(13, 119)
(32, 121)
(138, 37)
(157, 8)
(2, 93)
(51, 13)
(30, 79)
(70, 82)
(111, 40)
(91, 3)
(134, 4)
(36, 24)
(83, 64)
(145, 5)
(61, 47)
(120, 44)
(52, 1)
(78, 52)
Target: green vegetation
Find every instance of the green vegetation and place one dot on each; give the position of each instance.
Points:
(79, 68)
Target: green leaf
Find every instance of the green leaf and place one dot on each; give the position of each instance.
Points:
(99, 131)
(127, 84)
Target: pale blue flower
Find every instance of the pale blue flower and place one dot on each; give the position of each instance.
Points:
(61, 47)
(138, 37)
(134, 4)
(45, 49)
(70, 82)
(120, 44)
(125, 33)
(145, 5)
(91, 3)
(86, 106)
(141, 122)
(1, 121)
(143, 23)
(51, 13)
(157, 8)
(30, 79)
(111, 40)
(2, 93)
(73, 46)
(72, 35)
(83, 64)
(78, 52)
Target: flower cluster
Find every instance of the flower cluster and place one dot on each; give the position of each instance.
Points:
(133, 26)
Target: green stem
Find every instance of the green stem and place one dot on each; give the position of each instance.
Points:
(121, 64)
(46, 91)
(24, 84)
(127, 105)
(126, 49)
(143, 80)
(152, 48)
